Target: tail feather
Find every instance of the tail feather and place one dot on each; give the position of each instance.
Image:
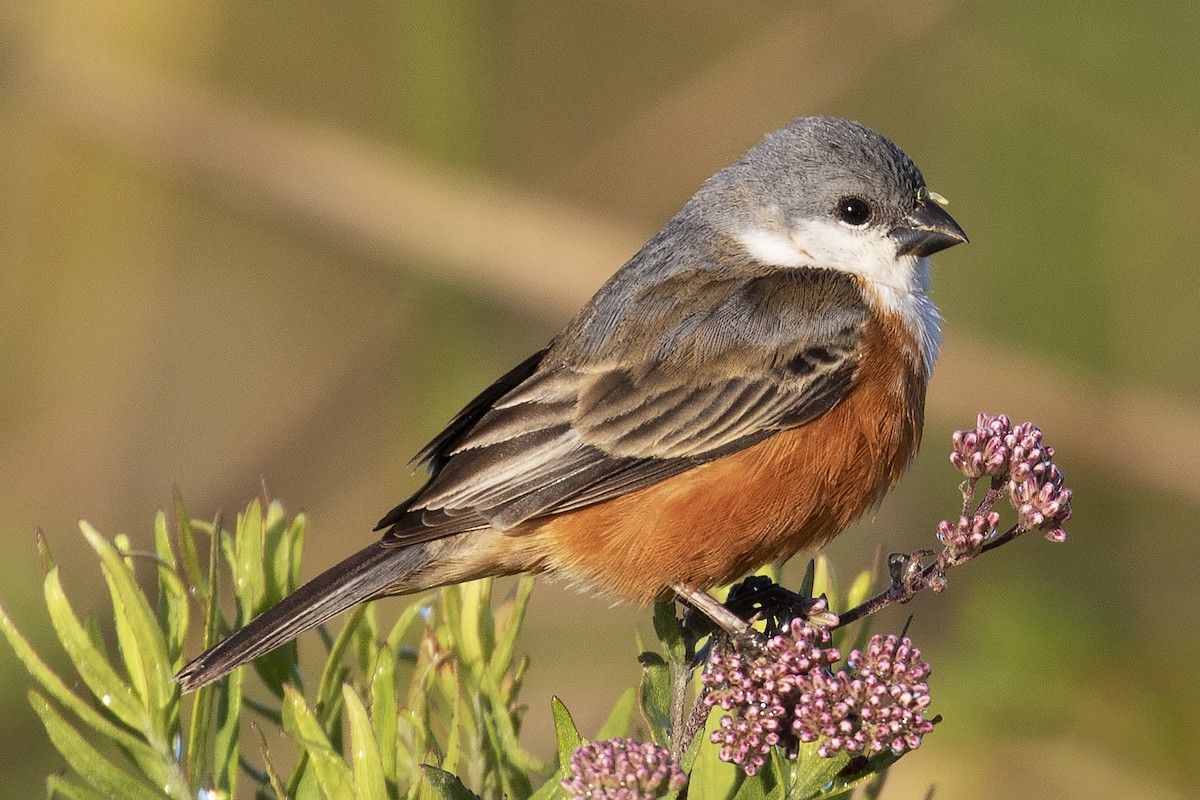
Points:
(371, 572)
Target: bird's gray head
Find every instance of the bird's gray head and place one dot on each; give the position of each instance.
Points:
(827, 192)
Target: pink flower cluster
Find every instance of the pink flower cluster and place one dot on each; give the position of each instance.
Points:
(1017, 461)
(759, 691)
(622, 769)
(789, 694)
(877, 704)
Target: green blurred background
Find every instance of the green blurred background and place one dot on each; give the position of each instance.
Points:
(283, 242)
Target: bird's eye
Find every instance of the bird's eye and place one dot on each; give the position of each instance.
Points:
(853, 211)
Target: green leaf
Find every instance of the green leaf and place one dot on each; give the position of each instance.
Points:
(552, 788)
(476, 637)
(334, 777)
(506, 642)
(655, 697)
(710, 778)
(142, 645)
(147, 758)
(810, 576)
(226, 743)
(669, 632)
(809, 774)
(859, 589)
(369, 783)
(57, 784)
(273, 776)
(384, 710)
(172, 596)
(295, 536)
(619, 718)
(248, 578)
(105, 776)
(330, 676)
(445, 785)
(823, 579)
(91, 663)
(841, 784)
(564, 731)
(43, 547)
(274, 565)
(417, 608)
(506, 728)
(204, 704)
(187, 546)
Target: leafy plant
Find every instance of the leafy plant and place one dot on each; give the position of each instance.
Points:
(429, 708)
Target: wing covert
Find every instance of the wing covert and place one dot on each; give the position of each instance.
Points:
(681, 383)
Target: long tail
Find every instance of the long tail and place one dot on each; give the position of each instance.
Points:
(366, 574)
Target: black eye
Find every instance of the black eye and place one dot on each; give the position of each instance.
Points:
(853, 211)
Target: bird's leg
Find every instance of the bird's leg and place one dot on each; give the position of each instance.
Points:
(707, 605)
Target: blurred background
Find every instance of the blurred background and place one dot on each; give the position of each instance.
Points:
(248, 242)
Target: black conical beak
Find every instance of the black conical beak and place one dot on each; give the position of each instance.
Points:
(928, 229)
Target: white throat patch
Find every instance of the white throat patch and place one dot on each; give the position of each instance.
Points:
(900, 283)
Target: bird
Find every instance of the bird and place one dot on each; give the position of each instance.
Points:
(750, 382)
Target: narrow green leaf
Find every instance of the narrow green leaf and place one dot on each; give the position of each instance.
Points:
(565, 732)
(448, 623)
(295, 537)
(187, 548)
(142, 645)
(331, 771)
(619, 718)
(506, 728)
(306, 785)
(459, 709)
(265, 562)
(277, 555)
(655, 697)
(248, 577)
(824, 581)
(330, 680)
(58, 785)
(552, 788)
(366, 641)
(810, 577)
(859, 590)
(369, 783)
(172, 596)
(273, 776)
(97, 770)
(477, 635)
(226, 743)
(384, 710)
(147, 758)
(90, 663)
(445, 785)
(417, 608)
(666, 626)
(204, 703)
(43, 547)
(506, 641)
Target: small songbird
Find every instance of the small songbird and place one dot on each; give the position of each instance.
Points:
(749, 383)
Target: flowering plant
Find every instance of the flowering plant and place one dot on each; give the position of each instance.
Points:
(430, 707)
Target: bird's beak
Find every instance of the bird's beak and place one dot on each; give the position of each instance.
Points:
(928, 229)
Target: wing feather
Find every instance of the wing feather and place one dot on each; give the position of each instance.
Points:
(727, 364)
